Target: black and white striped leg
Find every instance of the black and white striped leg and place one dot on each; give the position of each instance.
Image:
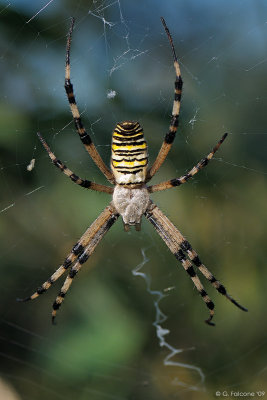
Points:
(170, 135)
(179, 246)
(192, 254)
(191, 272)
(84, 136)
(83, 257)
(183, 179)
(77, 250)
(166, 231)
(79, 181)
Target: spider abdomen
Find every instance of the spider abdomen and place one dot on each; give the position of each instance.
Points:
(131, 203)
(129, 154)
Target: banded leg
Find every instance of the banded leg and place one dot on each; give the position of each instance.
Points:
(82, 182)
(170, 136)
(183, 179)
(76, 252)
(85, 138)
(192, 254)
(99, 232)
(57, 274)
(178, 246)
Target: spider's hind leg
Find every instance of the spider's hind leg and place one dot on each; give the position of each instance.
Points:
(170, 135)
(84, 136)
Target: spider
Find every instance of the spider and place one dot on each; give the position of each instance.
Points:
(130, 196)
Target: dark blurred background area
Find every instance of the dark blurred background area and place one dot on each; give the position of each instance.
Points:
(114, 339)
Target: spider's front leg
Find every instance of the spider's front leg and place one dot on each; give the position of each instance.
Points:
(98, 232)
(180, 247)
(78, 256)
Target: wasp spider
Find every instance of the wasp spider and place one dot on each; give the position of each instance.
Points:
(130, 196)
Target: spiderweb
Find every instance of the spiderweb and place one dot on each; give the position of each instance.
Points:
(139, 335)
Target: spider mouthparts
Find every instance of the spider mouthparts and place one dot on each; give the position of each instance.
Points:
(126, 227)
(138, 227)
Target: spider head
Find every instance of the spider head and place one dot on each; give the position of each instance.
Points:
(131, 204)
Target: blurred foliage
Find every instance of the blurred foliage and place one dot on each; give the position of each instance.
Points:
(105, 345)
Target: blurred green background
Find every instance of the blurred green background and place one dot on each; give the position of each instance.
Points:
(105, 343)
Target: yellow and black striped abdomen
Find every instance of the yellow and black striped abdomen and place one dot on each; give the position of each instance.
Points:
(129, 153)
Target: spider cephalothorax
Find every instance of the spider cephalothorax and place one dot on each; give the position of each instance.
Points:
(131, 204)
(131, 197)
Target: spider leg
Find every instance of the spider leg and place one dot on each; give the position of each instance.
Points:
(76, 251)
(57, 274)
(192, 254)
(82, 182)
(84, 136)
(170, 136)
(183, 179)
(178, 245)
(100, 229)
